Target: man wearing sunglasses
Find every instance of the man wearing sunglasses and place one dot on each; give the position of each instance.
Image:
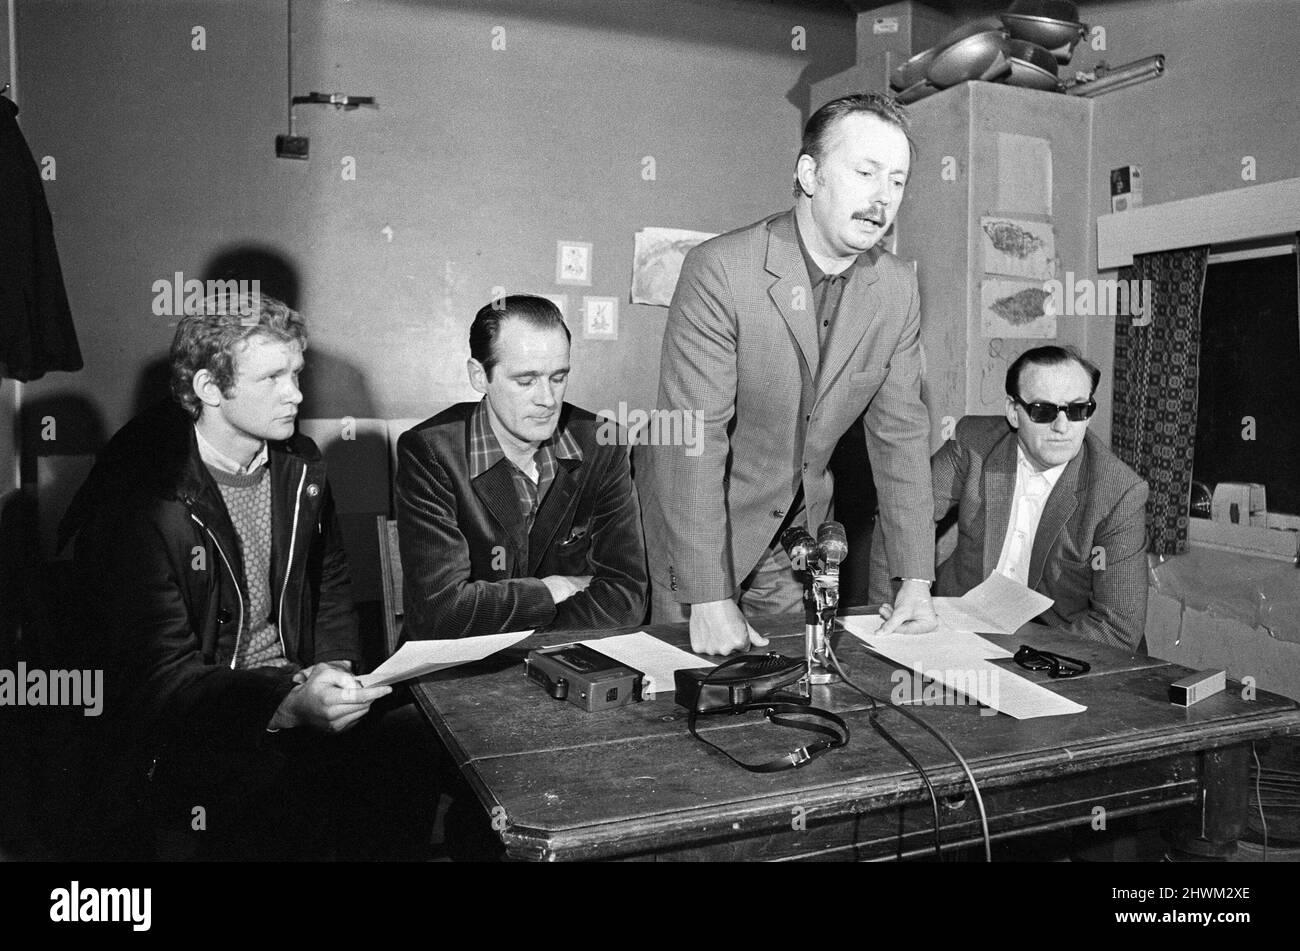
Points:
(1043, 501)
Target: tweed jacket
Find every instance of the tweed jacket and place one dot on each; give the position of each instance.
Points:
(741, 350)
(1089, 552)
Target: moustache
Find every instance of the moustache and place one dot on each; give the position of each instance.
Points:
(875, 214)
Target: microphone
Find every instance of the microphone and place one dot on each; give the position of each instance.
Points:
(832, 548)
(833, 544)
(800, 546)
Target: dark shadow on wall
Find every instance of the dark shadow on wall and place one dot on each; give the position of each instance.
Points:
(332, 385)
(276, 276)
(60, 434)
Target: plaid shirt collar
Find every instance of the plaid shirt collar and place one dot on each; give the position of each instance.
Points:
(485, 450)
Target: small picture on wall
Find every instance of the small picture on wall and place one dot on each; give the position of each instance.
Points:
(573, 263)
(600, 318)
(1016, 309)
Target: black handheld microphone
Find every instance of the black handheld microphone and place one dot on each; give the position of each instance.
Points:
(800, 546)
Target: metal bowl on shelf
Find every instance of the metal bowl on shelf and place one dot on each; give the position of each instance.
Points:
(1032, 67)
(913, 71)
(974, 51)
(916, 92)
(1052, 9)
(1058, 36)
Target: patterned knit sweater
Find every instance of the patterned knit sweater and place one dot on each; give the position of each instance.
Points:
(248, 499)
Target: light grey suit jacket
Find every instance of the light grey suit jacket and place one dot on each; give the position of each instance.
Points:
(741, 349)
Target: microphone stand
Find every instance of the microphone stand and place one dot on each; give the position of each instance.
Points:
(820, 574)
(826, 599)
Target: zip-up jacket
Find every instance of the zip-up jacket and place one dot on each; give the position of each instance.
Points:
(162, 584)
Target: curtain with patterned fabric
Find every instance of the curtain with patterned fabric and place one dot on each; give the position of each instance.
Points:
(1153, 426)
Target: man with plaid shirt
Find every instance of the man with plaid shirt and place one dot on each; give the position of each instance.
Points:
(517, 512)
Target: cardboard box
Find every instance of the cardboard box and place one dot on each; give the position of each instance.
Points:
(1240, 503)
(1196, 687)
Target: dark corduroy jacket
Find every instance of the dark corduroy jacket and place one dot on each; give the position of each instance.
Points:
(463, 572)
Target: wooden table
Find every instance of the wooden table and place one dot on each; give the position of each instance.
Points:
(631, 783)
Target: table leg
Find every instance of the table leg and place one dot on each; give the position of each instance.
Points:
(1211, 829)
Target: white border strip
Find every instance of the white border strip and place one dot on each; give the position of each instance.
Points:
(1243, 214)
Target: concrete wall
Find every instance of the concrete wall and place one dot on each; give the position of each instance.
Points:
(1228, 94)
(478, 159)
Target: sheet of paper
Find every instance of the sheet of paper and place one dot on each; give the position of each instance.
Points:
(993, 686)
(954, 614)
(1024, 174)
(1023, 699)
(947, 641)
(417, 658)
(657, 660)
(949, 666)
(1003, 605)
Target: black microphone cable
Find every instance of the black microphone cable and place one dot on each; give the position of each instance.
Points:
(892, 741)
(889, 738)
(961, 760)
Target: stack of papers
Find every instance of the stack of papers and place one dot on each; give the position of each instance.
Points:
(960, 660)
(657, 660)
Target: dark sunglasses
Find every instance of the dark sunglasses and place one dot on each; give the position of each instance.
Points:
(1056, 665)
(1046, 412)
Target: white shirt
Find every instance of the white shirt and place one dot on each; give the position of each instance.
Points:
(1027, 504)
(214, 457)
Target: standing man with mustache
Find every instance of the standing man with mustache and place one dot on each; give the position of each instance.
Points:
(784, 334)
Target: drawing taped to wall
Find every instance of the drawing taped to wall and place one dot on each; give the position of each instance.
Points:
(1016, 309)
(1018, 248)
(657, 262)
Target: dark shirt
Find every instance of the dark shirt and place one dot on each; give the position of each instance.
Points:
(827, 290)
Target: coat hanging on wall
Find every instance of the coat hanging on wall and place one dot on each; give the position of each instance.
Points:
(36, 331)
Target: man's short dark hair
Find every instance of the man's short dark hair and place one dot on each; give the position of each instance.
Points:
(535, 311)
(1049, 357)
(817, 131)
(206, 339)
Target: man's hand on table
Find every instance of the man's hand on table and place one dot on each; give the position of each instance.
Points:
(912, 611)
(719, 627)
(563, 587)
